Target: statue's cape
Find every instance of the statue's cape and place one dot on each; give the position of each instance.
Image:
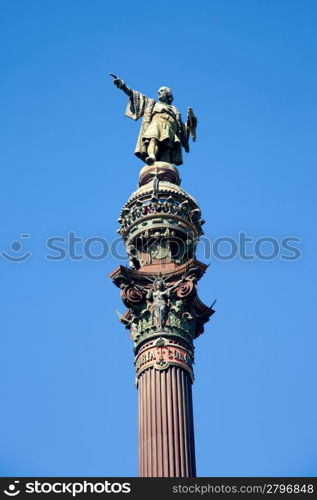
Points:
(137, 105)
(140, 105)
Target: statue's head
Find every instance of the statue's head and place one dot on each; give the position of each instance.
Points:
(165, 95)
(159, 284)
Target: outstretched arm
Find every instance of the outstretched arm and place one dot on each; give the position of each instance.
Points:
(120, 84)
(139, 287)
(186, 275)
(179, 282)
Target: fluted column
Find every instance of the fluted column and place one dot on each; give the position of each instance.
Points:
(166, 430)
(161, 225)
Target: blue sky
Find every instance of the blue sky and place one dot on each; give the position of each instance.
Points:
(248, 69)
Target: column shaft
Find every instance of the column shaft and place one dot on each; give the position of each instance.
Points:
(166, 430)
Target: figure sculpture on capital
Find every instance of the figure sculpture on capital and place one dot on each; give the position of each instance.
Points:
(159, 295)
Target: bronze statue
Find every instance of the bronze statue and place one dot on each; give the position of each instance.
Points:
(159, 295)
(163, 133)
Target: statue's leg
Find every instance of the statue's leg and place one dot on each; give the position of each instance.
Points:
(152, 151)
(160, 319)
(144, 147)
(164, 316)
(165, 155)
(153, 316)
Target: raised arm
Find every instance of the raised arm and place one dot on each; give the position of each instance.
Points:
(186, 275)
(120, 84)
(179, 282)
(139, 287)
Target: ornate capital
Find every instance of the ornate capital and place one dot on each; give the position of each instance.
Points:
(160, 225)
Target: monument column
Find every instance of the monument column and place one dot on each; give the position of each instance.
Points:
(161, 225)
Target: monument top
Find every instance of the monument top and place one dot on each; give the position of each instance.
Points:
(163, 134)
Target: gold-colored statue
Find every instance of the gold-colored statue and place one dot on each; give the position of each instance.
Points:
(163, 133)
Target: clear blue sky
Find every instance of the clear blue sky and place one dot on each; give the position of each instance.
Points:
(248, 68)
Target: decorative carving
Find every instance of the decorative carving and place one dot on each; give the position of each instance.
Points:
(163, 207)
(131, 295)
(186, 288)
(163, 306)
(160, 342)
(162, 356)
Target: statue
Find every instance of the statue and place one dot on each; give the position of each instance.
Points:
(163, 133)
(159, 295)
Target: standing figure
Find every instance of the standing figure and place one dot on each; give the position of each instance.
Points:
(160, 296)
(163, 133)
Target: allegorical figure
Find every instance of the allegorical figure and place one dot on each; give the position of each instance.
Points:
(159, 295)
(163, 133)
